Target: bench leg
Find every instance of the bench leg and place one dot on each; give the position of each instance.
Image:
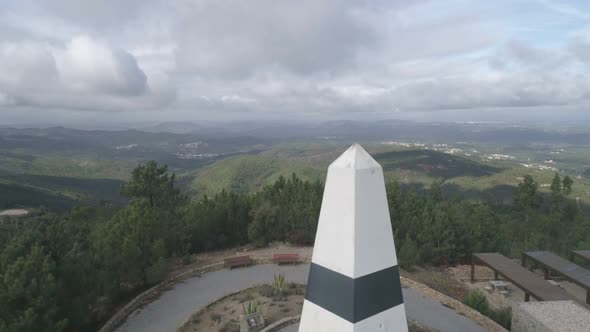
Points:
(495, 275)
(526, 297)
(587, 296)
(472, 272)
(546, 273)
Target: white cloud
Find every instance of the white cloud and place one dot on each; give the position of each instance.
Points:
(86, 65)
(83, 74)
(26, 63)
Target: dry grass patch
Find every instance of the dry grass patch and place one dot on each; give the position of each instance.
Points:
(223, 316)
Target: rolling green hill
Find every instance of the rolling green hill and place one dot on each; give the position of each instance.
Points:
(464, 177)
(13, 195)
(247, 174)
(55, 192)
(61, 167)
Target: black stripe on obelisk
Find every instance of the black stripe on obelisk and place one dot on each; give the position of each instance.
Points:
(354, 299)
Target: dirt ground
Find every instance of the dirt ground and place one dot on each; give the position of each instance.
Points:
(14, 213)
(440, 279)
(208, 258)
(223, 315)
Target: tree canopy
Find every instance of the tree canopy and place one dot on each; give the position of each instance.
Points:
(153, 183)
(69, 272)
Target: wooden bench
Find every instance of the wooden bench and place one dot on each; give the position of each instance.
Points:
(237, 261)
(285, 258)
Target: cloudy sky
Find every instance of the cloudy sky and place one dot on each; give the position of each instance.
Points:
(190, 60)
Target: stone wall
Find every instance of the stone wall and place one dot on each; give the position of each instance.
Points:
(550, 316)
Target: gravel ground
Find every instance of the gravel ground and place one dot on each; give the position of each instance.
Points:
(169, 311)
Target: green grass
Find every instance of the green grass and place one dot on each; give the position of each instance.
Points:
(25, 190)
(59, 181)
(248, 174)
(56, 173)
(433, 164)
(86, 165)
(14, 195)
(464, 177)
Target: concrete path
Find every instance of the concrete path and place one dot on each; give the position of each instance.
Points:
(429, 313)
(167, 313)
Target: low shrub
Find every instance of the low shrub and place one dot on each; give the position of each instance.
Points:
(503, 317)
(279, 285)
(250, 308)
(478, 301)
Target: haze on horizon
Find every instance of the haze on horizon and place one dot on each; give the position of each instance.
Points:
(69, 61)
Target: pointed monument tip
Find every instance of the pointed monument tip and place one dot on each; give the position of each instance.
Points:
(355, 157)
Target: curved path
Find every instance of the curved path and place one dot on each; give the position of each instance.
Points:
(167, 313)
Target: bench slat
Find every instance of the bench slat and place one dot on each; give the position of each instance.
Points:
(285, 258)
(237, 261)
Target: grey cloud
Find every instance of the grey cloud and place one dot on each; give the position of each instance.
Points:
(228, 38)
(97, 15)
(508, 92)
(209, 57)
(525, 53)
(517, 55)
(26, 64)
(134, 80)
(580, 48)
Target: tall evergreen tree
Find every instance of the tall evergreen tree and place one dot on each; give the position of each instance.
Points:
(567, 185)
(525, 197)
(556, 194)
(155, 184)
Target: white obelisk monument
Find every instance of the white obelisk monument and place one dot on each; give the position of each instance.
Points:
(354, 282)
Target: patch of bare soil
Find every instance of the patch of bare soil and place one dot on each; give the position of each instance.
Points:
(223, 315)
(439, 279)
(463, 272)
(14, 213)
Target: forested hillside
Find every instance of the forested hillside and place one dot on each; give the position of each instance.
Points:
(68, 272)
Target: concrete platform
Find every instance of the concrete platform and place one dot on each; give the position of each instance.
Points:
(166, 313)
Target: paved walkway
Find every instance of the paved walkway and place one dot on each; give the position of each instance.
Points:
(167, 313)
(429, 313)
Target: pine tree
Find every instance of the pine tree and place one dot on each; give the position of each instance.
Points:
(525, 197)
